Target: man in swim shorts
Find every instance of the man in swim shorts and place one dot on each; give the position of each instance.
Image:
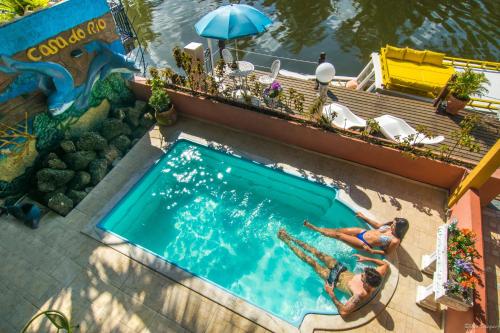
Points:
(359, 286)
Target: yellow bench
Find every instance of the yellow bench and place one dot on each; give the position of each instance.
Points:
(415, 72)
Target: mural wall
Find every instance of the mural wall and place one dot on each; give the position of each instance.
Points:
(62, 71)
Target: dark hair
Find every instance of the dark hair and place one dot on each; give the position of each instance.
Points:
(400, 227)
(373, 277)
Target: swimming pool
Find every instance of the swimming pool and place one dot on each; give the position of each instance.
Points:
(217, 215)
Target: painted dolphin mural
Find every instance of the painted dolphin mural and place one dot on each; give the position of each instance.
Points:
(53, 79)
(57, 83)
(105, 62)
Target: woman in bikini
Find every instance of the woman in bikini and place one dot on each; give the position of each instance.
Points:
(386, 236)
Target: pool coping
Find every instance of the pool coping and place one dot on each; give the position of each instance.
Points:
(310, 322)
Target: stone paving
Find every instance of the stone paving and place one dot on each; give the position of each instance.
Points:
(58, 267)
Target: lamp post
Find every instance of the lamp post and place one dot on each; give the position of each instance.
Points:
(325, 73)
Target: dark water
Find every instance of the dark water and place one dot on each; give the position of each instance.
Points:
(347, 30)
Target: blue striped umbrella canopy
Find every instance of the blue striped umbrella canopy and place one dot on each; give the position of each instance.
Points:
(231, 22)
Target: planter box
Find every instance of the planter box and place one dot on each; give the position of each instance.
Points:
(441, 274)
(288, 129)
(436, 293)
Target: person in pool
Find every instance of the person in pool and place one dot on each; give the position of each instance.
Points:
(359, 286)
(386, 236)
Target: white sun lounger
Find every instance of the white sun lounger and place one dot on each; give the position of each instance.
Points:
(345, 118)
(397, 130)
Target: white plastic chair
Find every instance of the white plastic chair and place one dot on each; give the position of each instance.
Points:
(344, 117)
(228, 57)
(269, 79)
(396, 129)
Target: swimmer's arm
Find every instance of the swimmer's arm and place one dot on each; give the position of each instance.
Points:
(372, 250)
(371, 222)
(392, 246)
(383, 266)
(344, 309)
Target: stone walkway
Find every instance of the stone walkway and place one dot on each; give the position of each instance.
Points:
(58, 267)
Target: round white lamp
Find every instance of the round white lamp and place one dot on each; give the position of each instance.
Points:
(325, 73)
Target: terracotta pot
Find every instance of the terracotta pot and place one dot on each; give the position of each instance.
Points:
(166, 118)
(454, 104)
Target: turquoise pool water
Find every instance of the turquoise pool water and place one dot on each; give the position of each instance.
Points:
(217, 216)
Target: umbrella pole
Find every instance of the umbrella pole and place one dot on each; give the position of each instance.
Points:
(236, 47)
(211, 55)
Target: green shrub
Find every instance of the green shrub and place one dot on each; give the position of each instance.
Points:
(159, 100)
(468, 83)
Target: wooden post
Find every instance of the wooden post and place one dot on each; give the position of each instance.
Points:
(479, 175)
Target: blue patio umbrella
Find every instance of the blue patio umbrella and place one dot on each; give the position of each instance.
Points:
(231, 22)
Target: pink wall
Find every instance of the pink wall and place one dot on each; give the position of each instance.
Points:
(468, 213)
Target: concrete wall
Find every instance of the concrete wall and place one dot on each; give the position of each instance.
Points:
(383, 158)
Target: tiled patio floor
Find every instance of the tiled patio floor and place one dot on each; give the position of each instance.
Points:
(57, 267)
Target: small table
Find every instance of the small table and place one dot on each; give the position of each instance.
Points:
(245, 68)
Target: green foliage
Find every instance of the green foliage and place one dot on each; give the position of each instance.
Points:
(193, 68)
(324, 121)
(468, 83)
(159, 100)
(372, 126)
(57, 318)
(219, 68)
(291, 97)
(9, 9)
(113, 88)
(462, 137)
(298, 102)
(314, 109)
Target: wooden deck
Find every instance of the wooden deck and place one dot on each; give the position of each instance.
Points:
(371, 105)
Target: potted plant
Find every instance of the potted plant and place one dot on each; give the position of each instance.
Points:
(272, 93)
(165, 113)
(464, 85)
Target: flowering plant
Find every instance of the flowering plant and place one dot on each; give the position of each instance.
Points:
(274, 90)
(462, 278)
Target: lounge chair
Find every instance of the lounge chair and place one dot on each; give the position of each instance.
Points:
(396, 129)
(269, 79)
(344, 117)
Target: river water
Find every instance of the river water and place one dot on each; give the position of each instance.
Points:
(347, 30)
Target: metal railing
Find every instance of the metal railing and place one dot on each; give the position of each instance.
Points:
(471, 63)
(127, 33)
(338, 80)
(272, 56)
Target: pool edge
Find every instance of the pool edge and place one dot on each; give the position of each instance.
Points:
(210, 290)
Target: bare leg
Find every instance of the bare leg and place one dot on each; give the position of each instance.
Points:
(354, 242)
(322, 271)
(326, 259)
(332, 232)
